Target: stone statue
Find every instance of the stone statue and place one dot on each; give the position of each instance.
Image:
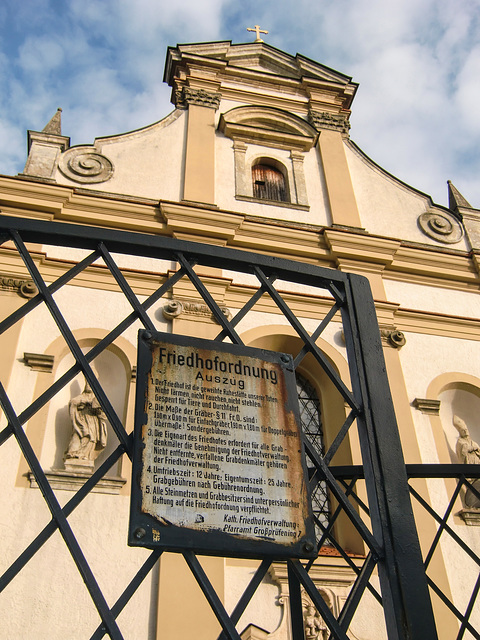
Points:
(89, 435)
(313, 624)
(468, 452)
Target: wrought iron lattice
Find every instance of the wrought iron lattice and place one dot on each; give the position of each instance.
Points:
(311, 418)
(373, 498)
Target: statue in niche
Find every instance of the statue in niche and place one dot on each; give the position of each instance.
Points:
(89, 431)
(313, 624)
(468, 452)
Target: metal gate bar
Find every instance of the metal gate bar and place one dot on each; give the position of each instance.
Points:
(393, 544)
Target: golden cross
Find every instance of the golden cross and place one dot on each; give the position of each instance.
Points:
(258, 31)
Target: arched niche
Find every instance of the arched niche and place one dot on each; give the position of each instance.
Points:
(50, 428)
(112, 375)
(459, 394)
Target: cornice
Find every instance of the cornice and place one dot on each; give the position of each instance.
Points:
(438, 324)
(267, 137)
(287, 242)
(211, 226)
(234, 296)
(345, 248)
(290, 79)
(457, 267)
(365, 247)
(35, 198)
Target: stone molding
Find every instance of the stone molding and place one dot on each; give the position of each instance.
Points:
(252, 632)
(187, 96)
(70, 481)
(44, 149)
(428, 406)
(325, 120)
(248, 73)
(440, 266)
(471, 517)
(274, 203)
(442, 227)
(176, 308)
(39, 362)
(85, 165)
(24, 287)
(269, 127)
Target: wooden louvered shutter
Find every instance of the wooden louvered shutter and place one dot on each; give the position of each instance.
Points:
(268, 183)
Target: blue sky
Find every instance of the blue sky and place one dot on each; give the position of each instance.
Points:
(416, 113)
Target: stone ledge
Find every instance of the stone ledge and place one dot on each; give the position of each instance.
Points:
(39, 361)
(67, 481)
(470, 517)
(274, 203)
(426, 405)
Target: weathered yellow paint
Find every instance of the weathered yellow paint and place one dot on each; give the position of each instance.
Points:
(199, 180)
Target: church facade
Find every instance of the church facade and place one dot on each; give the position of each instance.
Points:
(256, 156)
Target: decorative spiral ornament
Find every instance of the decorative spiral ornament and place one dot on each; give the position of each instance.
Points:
(173, 309)
(441, 227)
(85, 165)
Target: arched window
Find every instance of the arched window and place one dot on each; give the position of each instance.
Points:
(268, 183)
(311, 419)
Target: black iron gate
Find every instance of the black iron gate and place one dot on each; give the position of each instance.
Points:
(386, 524)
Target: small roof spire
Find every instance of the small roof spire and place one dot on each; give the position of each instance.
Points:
(54, 126)
(455, 198)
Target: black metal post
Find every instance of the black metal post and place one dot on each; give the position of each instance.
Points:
(407, 604)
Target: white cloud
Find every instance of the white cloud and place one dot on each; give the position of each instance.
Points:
(416, 112)
(40, 54)
(467, 95)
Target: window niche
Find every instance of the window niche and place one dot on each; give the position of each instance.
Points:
(312, 426)
(286, 139)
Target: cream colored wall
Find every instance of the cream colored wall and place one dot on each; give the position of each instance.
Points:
(421, 358)
(433, 299)
(386, 206)
(60, 605)
(264, 609)
(148, 163)
(48, 599)
(425, 357)
(317, 189)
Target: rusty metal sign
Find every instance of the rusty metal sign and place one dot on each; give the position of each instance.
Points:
(219, 465)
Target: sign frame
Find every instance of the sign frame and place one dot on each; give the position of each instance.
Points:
(147, 530)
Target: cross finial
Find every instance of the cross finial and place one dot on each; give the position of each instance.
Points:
(258, 31)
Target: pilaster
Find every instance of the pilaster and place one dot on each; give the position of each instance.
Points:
(341, 196)
(425, 524)
(199, 176)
